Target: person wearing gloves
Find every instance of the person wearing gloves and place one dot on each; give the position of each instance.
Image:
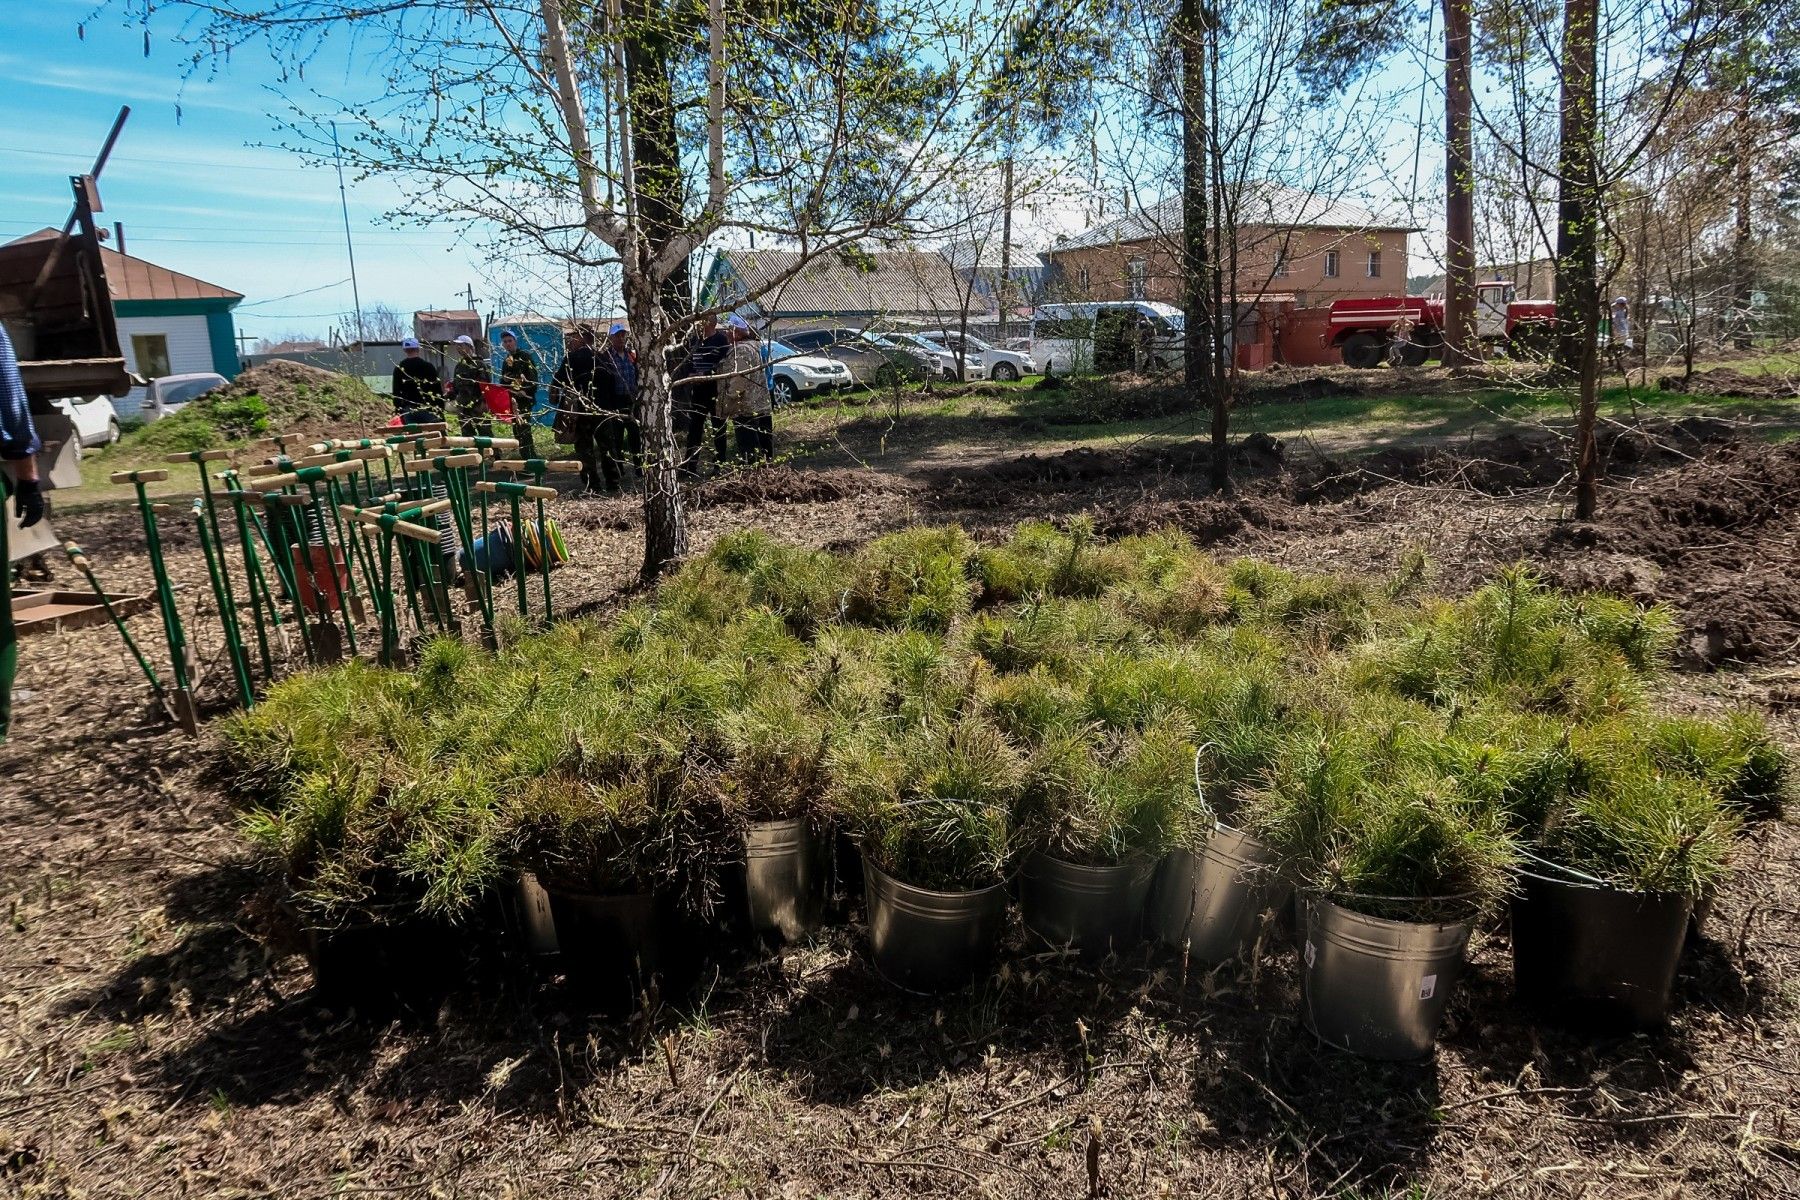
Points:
(744, 392)
(418, 398)
(18, 483)
(572, 391)
(519, 375)
(466, 380)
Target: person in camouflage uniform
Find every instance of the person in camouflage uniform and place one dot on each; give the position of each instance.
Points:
(465, 386)
(519, 373)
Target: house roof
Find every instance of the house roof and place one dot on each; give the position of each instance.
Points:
(130, 278)
(1264, 203)
(884, 282)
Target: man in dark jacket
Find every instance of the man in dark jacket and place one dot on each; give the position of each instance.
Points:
(467, 378)
(418, 390)
(519, 373)
(572, 391)
(697, 395)
(615, 389)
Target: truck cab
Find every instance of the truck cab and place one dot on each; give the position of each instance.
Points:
(1493, 300)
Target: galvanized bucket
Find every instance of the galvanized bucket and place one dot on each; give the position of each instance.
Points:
(1376, 987)
(1095, 910)
(928, 941)
(786, 877)
(535, 921)
(1213, 903)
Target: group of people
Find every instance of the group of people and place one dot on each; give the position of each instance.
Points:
(720, 374)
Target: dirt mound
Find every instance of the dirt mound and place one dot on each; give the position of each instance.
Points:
(1207, 521)
(962, 486)
(1724, 381)
(786, 485)
(306, 399)
(1511, 462)
(1718, 538)
(1312, 387)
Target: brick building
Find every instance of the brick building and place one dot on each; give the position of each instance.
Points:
(1292, 247)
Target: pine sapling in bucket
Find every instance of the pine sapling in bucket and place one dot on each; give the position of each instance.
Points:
(1605, 900)
(932, 801)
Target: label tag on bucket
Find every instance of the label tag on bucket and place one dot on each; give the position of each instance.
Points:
(1310, 954)
(1428, 987)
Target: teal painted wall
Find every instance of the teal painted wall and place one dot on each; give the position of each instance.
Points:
(221, 331)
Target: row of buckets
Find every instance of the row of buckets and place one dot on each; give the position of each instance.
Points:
(1585, 952)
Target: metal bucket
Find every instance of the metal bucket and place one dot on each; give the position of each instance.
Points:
(786, 877)
(535, 921)
(926, 941)
(1375, 987)
(1095, 910)
(1594, 955)
(1214, 903)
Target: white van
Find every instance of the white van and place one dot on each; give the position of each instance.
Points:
(1062, 335)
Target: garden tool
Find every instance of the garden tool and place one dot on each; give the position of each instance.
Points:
(555, 551)
(79, 557)
(516, 492)
(234, 646)
(181, 655)
(227, 598)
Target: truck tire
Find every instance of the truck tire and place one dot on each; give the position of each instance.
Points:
(1363, 351)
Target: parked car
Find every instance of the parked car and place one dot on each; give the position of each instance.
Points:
(872, 360)
(96, 422)
(170, 393)
(1005, 366)
(1063, 334)
(943, 359)
(793, 374)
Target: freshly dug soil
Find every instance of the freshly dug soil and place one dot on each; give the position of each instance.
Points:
(783, 484)
(309, 400)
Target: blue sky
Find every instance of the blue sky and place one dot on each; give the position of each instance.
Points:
(191, 178)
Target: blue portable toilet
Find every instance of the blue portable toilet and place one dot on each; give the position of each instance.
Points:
(542, 338)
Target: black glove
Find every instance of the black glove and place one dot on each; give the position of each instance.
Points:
(28, 502)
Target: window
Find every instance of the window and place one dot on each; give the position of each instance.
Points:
(1135, 272)
(1081, 279)
(1374, 267)
(1281, 263)
(151, 350)
(1331, 264)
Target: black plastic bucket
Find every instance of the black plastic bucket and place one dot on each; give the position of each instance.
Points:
(1595, 956)
(383, 969)
(611, 945)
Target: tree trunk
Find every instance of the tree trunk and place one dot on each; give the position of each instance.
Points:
(1006, 215)
(1460, 343)
(1742, 269)
(1578, 239)
(665, 520)
(1196, 181)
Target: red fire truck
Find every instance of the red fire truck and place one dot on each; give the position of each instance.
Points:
(1409, 330)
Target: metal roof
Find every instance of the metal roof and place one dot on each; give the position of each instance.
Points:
(129, 278)
(886, 282)
(1263, 203)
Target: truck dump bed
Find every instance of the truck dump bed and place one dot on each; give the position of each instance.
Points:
(58, 312)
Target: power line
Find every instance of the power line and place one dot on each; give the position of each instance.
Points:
(292, 295)
(166, 162)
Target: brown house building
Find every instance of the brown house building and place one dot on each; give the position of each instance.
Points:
(1293, 248)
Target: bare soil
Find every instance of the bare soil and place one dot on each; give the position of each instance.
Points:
(153, 1043)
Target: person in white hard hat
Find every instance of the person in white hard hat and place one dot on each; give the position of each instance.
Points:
(471, 374)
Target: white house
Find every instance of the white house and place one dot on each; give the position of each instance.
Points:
(169, 323)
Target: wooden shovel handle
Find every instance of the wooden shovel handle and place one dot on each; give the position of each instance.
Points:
(153, 476)
(196, 456)
(559, 466)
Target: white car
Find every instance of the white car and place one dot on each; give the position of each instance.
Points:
(171, 392)
(96, 422)
(1003, 366)
(793, 374)
(974, 367)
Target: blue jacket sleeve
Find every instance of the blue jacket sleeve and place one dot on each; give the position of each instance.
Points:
(18, 436)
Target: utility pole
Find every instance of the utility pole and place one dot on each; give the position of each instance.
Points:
(337, 152)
